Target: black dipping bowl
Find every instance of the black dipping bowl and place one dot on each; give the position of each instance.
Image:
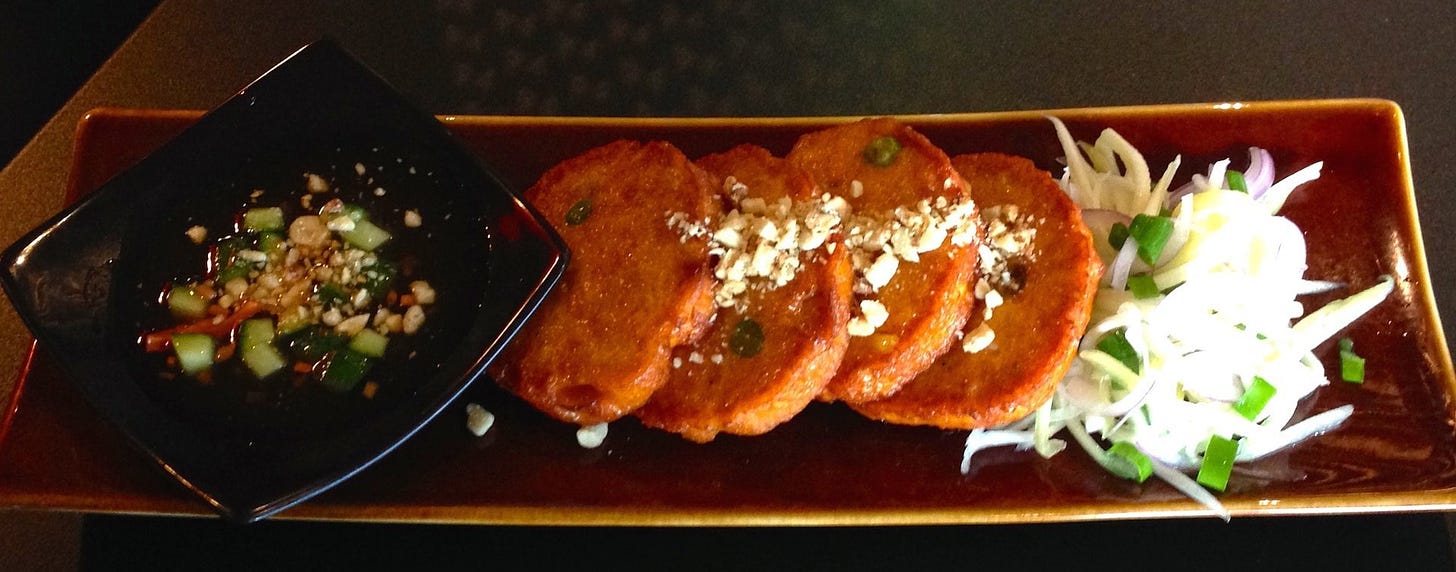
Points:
(88, 282)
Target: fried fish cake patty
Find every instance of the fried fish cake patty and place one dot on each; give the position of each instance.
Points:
(927, 301)
(1036, 329)
(712, 388)
(599, 345)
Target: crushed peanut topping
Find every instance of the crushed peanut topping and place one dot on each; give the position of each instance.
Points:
(1009, 236)
(760, 244)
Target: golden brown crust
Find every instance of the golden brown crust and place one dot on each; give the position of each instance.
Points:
(712, 390)
(598, 347)
(1036, 329)
(927, 301)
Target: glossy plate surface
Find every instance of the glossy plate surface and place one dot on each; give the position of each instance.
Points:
(88, 283)
(830, 466)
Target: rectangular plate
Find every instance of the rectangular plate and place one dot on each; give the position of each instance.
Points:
(829, 466)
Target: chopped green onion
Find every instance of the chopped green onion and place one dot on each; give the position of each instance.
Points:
(1142, 286)
(378, 277)
(1126, 461)
(294, 322)
(1236, 181)
(1117, 236)
(579, 212)
(229, 247)
(882, 151)
(747, 338)
(1116, 345)
(1218, 462)
(272, 242)
(1352, 366)
(314, 344)
(1255, 397)
(235, 271)
(1151, 233)
(331, 293)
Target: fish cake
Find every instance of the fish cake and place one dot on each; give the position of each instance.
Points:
(599, 345)
(927, 301)
(1036, 329)
(712, 388)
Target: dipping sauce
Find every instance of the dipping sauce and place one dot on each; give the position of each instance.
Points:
(293, 301)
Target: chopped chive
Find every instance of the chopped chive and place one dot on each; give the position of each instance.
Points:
(1236, 181)
(1142, 286)
(1126, 461)
(1116, 345)
(579, 212)
(1218, 462)
(1118, 235)
(1352, 366)
(882, 151)
(1151, 233)
(1255, 397)
(747, 338)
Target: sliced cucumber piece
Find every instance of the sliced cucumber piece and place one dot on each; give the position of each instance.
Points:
(365, 235)
(263, 219)
(345, 369)
(256, 332)
(185, 302)
(263, 359)
(194, 351)
(369, 343)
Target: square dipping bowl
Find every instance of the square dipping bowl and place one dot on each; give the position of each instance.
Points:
(89, 283)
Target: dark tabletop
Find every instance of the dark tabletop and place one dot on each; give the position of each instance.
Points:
(755, 58)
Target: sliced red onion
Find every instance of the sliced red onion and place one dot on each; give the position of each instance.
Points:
(1122, 265)
(1274, 198)
(1100, 221)
(1261, 172)
(1177, 195)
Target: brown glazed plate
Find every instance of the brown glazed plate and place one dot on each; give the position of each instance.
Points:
(829, 466)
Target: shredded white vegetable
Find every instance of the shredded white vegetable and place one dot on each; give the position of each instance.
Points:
(1227, 315)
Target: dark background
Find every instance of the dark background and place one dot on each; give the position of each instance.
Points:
(764, 58)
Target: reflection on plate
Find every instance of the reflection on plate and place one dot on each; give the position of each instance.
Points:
(87, 282)
(830, 466)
